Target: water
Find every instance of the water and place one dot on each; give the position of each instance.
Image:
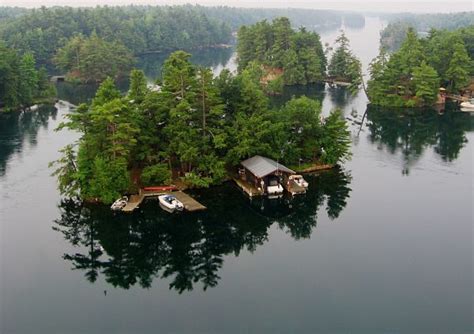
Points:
(383, 245)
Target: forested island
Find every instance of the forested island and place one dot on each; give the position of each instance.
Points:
(195, 129)
(143, 29)
(282, 56)
(395, 32)
(22, 84)
(413, 75)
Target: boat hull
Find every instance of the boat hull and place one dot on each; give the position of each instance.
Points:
(170, 203)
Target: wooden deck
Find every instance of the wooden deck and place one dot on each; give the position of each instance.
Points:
(458, 98)
(190, 204)
(248, 188)
(133, 202)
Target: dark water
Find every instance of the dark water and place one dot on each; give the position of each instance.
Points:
(382, 245)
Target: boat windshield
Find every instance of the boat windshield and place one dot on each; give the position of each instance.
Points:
(273, 182)
(169, 199)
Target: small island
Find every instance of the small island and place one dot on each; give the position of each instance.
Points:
(413, 75)
(279, 56)
(193, 131)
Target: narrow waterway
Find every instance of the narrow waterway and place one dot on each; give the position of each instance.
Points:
(381, 245)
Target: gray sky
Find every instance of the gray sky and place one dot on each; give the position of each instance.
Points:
(368, 5)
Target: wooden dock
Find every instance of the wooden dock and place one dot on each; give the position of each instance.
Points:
(190, 204)
(248, 188)
(457, 98)
(133, 202)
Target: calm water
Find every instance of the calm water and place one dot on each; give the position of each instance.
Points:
(383, 245)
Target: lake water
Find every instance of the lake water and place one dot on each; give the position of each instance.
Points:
(382, 245)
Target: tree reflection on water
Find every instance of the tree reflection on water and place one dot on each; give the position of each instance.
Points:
(18, 129)
(187, 249)
(411, 132)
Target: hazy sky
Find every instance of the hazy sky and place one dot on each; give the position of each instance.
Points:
(368, 5)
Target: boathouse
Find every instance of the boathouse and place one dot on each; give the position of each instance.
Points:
(257, 172)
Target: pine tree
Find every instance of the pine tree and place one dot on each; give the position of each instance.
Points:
(28, 80)
(138, 86)
(459, 68)
(426, 83)
(344, 65)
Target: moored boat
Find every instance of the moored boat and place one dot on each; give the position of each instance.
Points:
(274, 187)
(299, 180)
(468, 105)
(119, 204)
(170, 203)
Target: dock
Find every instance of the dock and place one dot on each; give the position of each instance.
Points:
(190, 204)
(248, 188)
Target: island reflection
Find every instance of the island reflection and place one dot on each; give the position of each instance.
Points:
(187, 249)
(412, 131)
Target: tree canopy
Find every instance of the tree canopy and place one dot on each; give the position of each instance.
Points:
(393, 35)
(412, 75)
(141, 29)
(344, 65)
(299, 55)
(194, 128)
(92, 59)
(21, 83)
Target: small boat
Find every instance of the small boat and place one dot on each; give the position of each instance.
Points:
(468, 105)
(170, 203)
(299, 180)
(274, 187)
(119, 204)
(160, 188)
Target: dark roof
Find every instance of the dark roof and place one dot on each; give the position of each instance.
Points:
(261, 166)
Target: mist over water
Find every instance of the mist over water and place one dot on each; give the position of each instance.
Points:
(405, 6)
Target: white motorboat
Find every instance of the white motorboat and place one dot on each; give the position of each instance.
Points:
(299, 180)
(170, 203)
(119, 204)
(274, 187)
(468, 105)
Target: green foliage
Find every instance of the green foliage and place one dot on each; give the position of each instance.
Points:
(21, 84)
(158, 174)
(195, 127)
(335, 141)
(106, 93)
(110, 179)
(109, 129)
(139, 28)
(275, 86)
(426, 83)
(459, 69)
(302, 129)
(299, 54)
(344, 65)
(412, 75)
(138, 86)
(393, 35)
(66, 172)
(92, 59)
